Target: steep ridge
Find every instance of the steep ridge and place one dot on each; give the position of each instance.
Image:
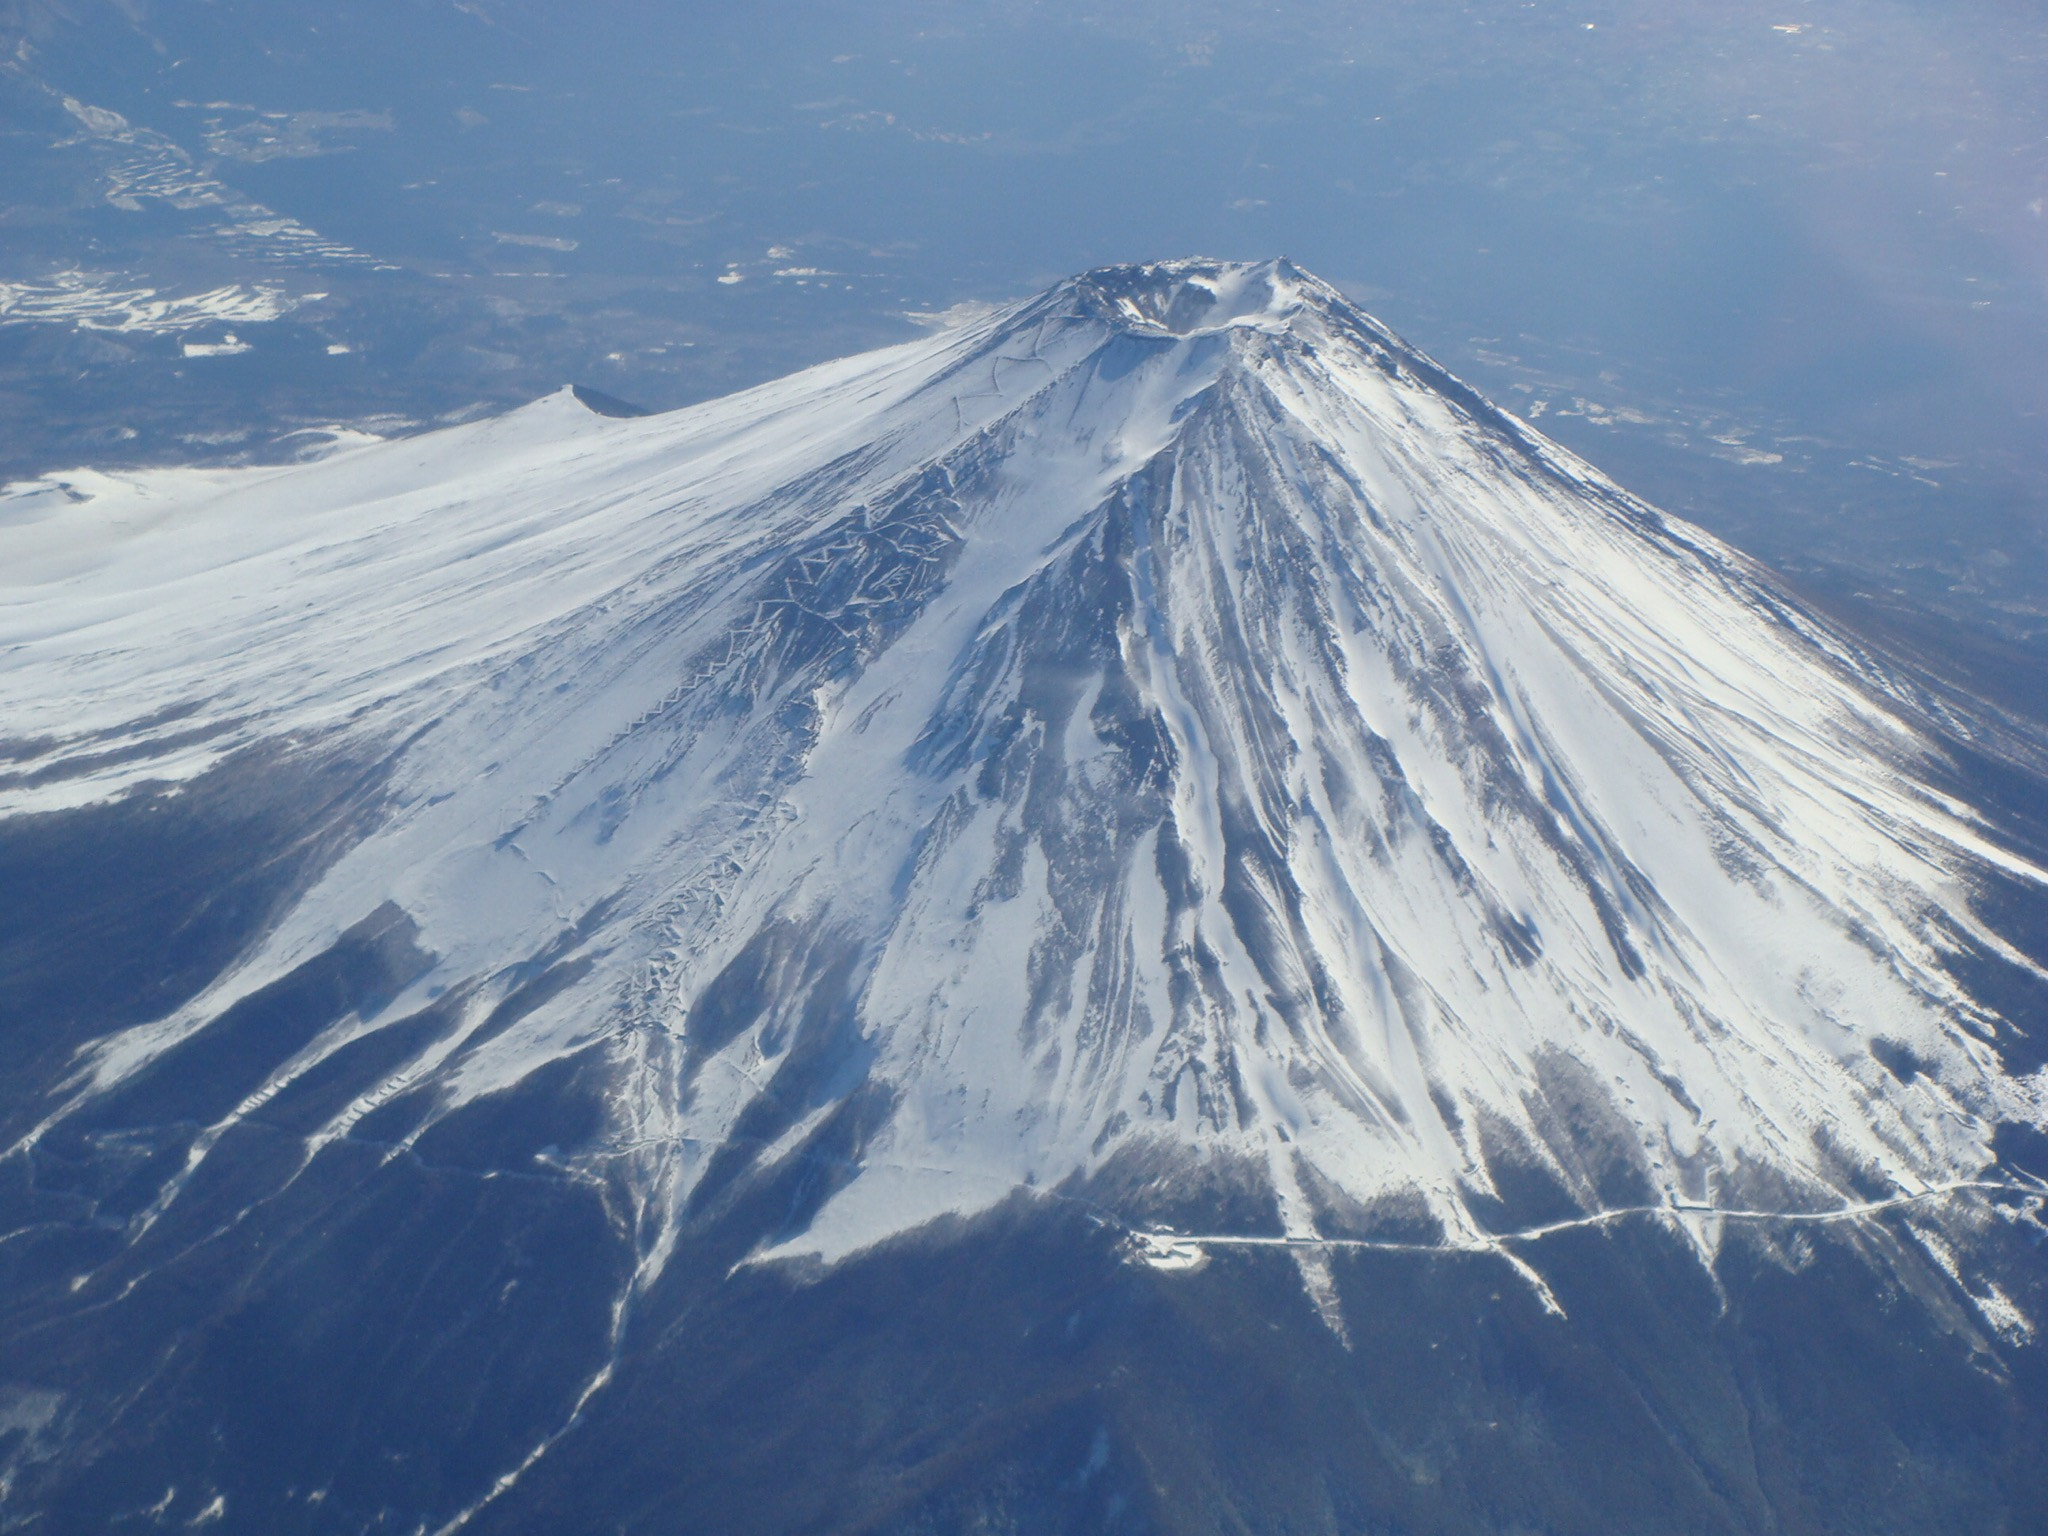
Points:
(1170, 719)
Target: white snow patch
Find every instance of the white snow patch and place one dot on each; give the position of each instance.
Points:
(95, 301)
(1161, 711)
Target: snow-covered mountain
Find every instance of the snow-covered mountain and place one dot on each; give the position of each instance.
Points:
(1166, 731)
(1169, 711)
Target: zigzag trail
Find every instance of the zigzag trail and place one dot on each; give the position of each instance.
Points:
(1236, 740)
(1162, 1241)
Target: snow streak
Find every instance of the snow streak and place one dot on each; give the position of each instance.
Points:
(1171, 713)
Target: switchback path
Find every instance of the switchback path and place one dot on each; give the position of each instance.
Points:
(1176, 1249)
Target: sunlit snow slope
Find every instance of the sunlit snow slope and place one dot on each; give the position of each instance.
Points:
(1168, 712)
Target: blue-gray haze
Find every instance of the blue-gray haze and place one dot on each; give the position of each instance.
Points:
(1780, 266)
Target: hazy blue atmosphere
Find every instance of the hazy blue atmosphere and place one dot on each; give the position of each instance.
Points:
(867, 768)
(1780, 267)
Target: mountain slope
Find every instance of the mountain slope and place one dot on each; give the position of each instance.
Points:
(1168, 746)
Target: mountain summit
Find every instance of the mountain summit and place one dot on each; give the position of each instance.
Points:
(1170, 713)
(1167, 747)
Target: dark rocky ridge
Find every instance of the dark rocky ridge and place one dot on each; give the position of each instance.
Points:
(331, 1326)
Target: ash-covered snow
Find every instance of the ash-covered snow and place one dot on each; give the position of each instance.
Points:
(1168, 711)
